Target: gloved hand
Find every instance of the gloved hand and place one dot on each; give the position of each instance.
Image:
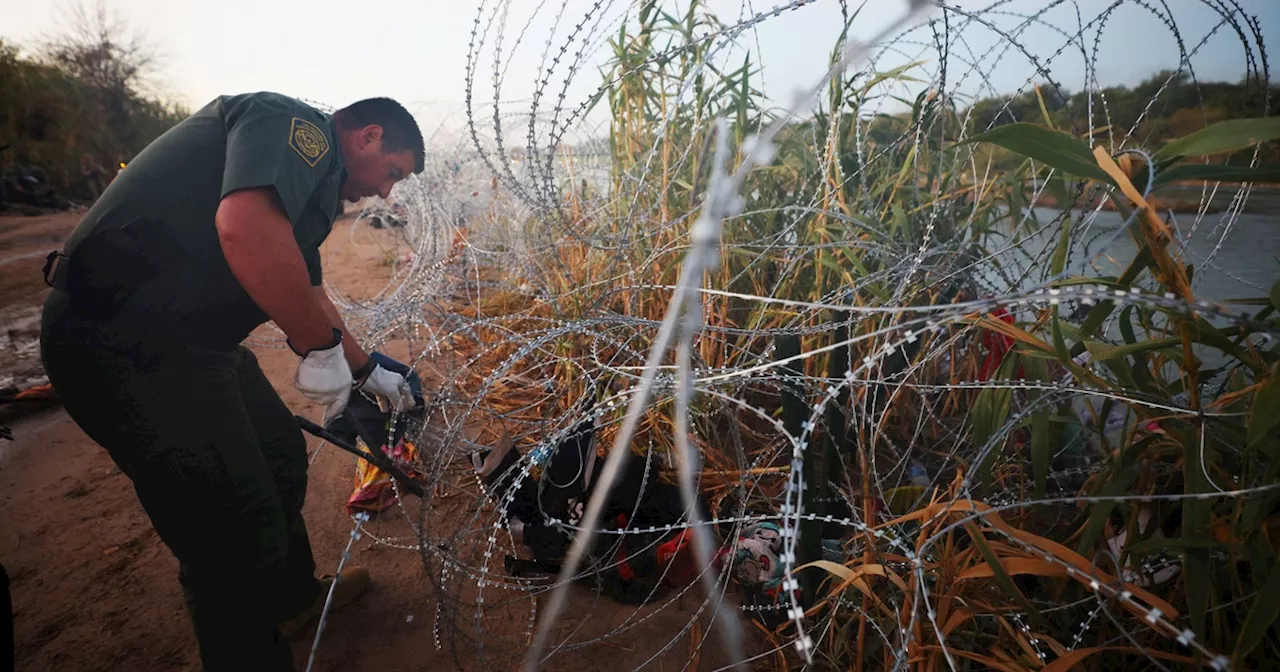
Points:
(325, 377)
(390, 386)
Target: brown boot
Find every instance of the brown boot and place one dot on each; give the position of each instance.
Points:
(352, 582)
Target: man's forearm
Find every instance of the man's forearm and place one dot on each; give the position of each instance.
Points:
(258, 244)
(356, 356)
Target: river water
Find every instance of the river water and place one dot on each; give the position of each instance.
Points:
(1232, 256)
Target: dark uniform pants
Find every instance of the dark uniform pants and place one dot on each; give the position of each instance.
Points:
(219, 465)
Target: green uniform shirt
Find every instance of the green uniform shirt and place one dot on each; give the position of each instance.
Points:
(148, 251)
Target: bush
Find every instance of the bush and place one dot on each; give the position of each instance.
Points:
(54, 110)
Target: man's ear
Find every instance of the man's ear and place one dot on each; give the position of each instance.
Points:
(370, 135)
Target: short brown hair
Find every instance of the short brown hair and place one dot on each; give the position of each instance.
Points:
(399, 130)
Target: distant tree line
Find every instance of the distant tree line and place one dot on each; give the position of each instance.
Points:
(1164, 106)
(77, 104)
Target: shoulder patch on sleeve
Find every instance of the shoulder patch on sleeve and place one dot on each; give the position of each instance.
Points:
(308, 141)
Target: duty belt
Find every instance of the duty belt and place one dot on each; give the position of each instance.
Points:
(58, 278)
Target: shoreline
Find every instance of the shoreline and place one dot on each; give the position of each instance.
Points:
(1184, 198)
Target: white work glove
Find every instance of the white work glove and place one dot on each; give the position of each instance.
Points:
(325, 377)
(390, 386)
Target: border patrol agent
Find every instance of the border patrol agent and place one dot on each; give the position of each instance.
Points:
(214, 229)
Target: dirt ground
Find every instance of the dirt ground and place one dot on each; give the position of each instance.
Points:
(24, 242)
(95, 589)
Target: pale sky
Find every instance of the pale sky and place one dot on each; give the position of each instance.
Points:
(415, 50)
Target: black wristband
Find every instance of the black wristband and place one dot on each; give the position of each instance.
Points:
(363, 372)
(337, 339)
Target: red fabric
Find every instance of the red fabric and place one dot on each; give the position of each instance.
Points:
(997, 346)
(624, 570)
(677, 554)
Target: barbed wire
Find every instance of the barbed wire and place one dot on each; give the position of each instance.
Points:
(656, 277)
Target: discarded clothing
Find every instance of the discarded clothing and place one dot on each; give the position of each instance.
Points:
(368, 426)
(632, 568)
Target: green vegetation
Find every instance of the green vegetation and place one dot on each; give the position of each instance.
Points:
(1162, 107)
(82, 94)
(880, 211)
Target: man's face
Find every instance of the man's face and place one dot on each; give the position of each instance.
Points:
(370, 171)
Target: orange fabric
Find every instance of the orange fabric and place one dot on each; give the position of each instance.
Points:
(38, 392)
(374, 491)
